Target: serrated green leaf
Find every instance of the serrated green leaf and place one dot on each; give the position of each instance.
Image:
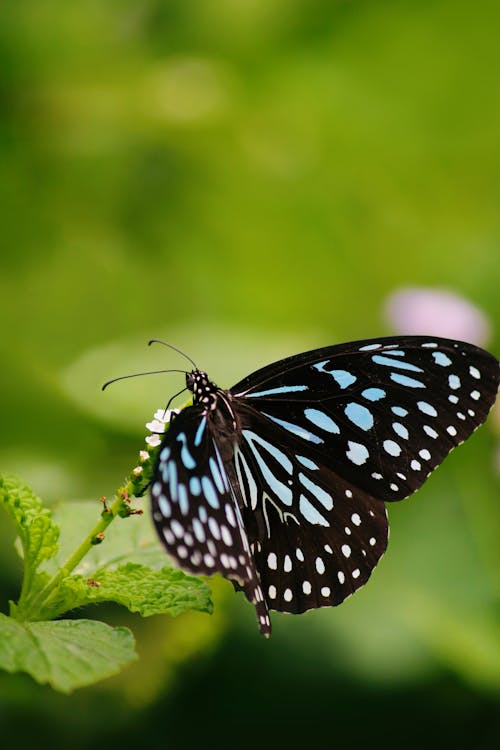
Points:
(152, 592)
(37, 532)
(66, 654)
(137, 587)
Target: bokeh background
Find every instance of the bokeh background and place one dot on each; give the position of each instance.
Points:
(248, 179)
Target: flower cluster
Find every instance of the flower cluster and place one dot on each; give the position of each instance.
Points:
(157, 426)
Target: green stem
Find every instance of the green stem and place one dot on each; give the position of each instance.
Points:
(44, 596)
(30, 610)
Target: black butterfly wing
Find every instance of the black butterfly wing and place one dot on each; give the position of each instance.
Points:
(288, 502)
(315, 537)
(328, 435)
(380, 414)
(195, 508)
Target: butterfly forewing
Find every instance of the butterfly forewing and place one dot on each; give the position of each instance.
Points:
(193, 508)
(381, 414)
(196, 511)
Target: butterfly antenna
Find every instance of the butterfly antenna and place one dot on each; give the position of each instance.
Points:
(170, 346)
(138, 375)
(171, 399)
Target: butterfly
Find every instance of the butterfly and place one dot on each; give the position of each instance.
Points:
(280, 483)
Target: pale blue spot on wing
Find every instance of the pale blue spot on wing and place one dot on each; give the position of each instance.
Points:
(369, 347)
(281, 457)
(454, 382)
(427, 408)
(359, 415)
(221, 468)
(186, 456)
(310, 513)
(199, 531)
(400, 430)
(209, 492)
(392, 448)
(172, 471)
(216, 474)
(317, 492)
(275, 391)
(357, 453)
(243, 468)
(165, 454)
(199, 432)
(408, 382)
(183, 500)
(389, 362)
(373, 394)
(342, 377)
(296, 429)
(283, 492)
(321, 420)
(194, 486)
(399, 411)
(441, 359)
(164, 506)
(307, 462)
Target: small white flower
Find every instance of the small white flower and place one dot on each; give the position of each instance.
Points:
(156, 426)
(161, 415)
(165, 416)
(160, 419)
(143, 455)
(137, 471)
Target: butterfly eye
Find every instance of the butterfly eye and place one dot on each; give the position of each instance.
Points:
(280, 482)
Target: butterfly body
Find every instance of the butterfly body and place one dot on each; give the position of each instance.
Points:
(280, 482)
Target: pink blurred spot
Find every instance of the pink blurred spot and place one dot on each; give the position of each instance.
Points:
(415, 311)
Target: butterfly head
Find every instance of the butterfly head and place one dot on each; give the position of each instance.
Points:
(203, 390)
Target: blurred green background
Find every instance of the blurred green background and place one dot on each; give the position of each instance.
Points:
(247, 179)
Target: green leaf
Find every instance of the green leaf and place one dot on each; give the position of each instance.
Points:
(128, 567)
(38, 534)
(152, 592)
(66, 654)
(137, 587)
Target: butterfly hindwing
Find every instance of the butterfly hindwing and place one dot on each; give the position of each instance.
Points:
(315, 537)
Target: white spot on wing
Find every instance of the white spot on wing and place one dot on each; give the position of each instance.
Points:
(272, 561)
(357, 453)
(392, 448)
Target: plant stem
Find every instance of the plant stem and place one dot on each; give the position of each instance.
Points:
(30, 610)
